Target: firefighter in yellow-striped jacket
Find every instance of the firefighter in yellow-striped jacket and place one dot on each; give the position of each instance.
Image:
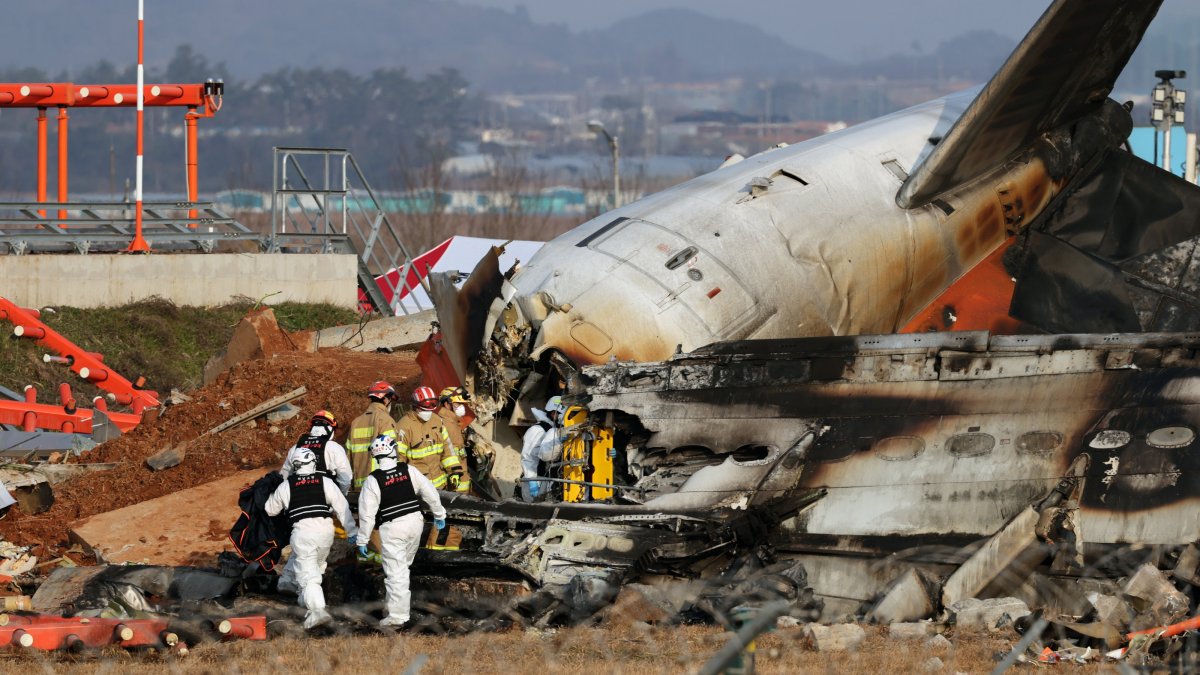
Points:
(422, 438)
(376, 421)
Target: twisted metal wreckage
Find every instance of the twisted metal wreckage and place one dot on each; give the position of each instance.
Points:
(715, 334)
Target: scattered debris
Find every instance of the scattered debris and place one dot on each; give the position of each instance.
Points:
(167, 457)
(842, 637)
(1155, 598)
(916, 630)
(973, 613)
(15, 560)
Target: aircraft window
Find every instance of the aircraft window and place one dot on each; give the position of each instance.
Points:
(1109, 439)
(1171, 437)
(899, 448)
(1038, 442)
(751, 453)
(970, 445)
(839, 443)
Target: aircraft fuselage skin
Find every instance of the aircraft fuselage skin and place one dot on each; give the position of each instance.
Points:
(803, 240)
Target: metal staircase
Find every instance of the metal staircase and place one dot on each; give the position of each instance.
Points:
(321, 193)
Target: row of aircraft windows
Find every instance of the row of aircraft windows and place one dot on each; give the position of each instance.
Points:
(974, 444)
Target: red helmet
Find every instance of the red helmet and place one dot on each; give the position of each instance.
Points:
(381, 390)
(324, 417)
(425, 398)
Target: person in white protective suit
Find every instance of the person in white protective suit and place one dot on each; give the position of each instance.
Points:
(331, 461)
(331, 456)
(311, 501)
(390, 498)
(542, 443)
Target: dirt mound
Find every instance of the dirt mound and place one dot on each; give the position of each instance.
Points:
(336, 380)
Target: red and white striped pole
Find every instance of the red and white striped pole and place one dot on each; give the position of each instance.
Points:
(139, 243)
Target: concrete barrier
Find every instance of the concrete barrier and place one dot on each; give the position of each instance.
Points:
(185, 279)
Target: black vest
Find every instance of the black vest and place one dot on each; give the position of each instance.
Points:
(317, 445)
(397, 496)
(308, 498)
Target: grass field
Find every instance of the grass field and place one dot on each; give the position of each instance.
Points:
(586, 651)
(155, 339)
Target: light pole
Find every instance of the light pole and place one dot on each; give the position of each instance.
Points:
(597, 128)
(1166, 108)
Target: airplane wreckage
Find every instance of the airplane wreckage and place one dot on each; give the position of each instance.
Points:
(936, 356)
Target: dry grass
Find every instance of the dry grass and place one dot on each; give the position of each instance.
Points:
(578, 650)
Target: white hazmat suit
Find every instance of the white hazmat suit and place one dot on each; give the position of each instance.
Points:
(540, 444)
(337, 462)
(336, 459)
(400, 537)
(311, 541)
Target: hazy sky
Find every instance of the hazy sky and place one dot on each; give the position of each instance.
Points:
(844, 29)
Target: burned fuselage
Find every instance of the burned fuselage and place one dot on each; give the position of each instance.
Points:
(932, 434)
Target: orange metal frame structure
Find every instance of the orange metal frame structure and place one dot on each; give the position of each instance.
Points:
(68, 417)
(201, 100)
(51, 632)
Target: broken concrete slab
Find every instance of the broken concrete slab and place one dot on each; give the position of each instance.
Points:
(932, 665)
(973, 613)
(168, 530)
(167, 457)
(1112, 610)
(1001, 565)
(1188, 565)
(1154, 597)
(841, 637)
(911, 630)
(908, 599)
(939, 643)
(256, 336)
(393, 332)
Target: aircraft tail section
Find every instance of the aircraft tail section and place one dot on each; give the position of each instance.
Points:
(1063, 70)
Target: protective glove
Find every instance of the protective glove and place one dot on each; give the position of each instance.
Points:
(534, 488)
(363, 552)
(453, 479)
(439, 523)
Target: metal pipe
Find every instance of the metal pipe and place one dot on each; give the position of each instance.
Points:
(36, 90)
(139, 244)
(41, 157)
(191, 151)
(31, 332)
(166, 91)
(93, 374)
(62, 160)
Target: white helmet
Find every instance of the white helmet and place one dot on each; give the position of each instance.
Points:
(555, 404)
(383, 447)
(304, 462)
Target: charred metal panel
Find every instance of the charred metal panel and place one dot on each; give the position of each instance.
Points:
(907, 455)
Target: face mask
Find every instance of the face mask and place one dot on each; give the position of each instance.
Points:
(460, 410)
(425, 415)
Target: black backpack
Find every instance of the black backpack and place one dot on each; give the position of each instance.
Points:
(257, 537)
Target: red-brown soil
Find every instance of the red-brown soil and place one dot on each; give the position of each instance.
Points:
(336, 380)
